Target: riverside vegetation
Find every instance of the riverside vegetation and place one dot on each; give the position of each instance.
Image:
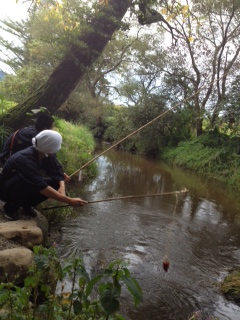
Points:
(212, 154)
(89, 298)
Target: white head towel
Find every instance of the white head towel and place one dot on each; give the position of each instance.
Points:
(47, 141)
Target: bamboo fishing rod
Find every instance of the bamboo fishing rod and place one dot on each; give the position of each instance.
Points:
(145, 125)
(123, 198)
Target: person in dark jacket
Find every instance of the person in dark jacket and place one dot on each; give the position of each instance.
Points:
(22, 183)
(22, 138)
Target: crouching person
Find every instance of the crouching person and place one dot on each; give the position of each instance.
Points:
(30, 177)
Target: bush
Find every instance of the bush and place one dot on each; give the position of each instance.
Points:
(77, 147)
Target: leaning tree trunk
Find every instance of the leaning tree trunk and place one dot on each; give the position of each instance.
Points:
(70, 71)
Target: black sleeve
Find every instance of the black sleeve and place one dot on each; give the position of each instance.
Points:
(53, 168)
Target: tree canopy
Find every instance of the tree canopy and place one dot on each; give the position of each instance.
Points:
(103, 19)
(177, 50)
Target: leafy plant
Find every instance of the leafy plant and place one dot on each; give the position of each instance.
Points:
(230, 286)
(4, 130)
(89, 298)
(77, 147)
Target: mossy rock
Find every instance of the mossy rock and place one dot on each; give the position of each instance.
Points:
(230, 286)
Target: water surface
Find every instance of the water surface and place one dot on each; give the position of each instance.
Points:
(198, 231)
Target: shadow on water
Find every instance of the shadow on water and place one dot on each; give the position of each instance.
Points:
(198, 231)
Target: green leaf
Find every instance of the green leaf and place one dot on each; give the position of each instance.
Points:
(108, 297)
(134, 288)
(29, 281)
(42, 308)
(77, 307)
(4, 296)
(127, 272)
(91, 284)
(109, 304)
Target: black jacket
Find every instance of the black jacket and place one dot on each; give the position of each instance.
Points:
(27, 166)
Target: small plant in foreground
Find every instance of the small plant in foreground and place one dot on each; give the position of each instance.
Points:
(89, 298)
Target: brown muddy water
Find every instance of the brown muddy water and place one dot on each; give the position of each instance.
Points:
(198, 231)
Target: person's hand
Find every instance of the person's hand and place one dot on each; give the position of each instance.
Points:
(66, 177)
(77, 202)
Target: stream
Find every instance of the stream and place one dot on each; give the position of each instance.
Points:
(198, 231)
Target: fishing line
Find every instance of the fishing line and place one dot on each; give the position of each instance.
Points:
(166, 262)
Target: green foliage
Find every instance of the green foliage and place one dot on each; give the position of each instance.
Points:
(168, 130)
(4, 130)
(25, 81)
(211, 154)
(118, 124)
(5, 104)
(77, 147)
(230, 286)
(89, 298)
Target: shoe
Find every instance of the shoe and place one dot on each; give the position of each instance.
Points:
(11, 212)
(30, 211)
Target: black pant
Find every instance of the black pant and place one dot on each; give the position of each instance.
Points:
(16, 191)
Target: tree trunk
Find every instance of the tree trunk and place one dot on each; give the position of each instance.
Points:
(64, 79)
(199, 130)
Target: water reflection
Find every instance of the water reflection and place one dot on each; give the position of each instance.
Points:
(198, 231)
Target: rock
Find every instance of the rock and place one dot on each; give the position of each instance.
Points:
(14, 264)
(16, 240)
(41, 222)
(8, 244)
(24, 232)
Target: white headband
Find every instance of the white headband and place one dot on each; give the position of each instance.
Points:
(47, 141)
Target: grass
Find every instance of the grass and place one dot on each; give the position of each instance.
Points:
(77, 147)
(230, 286)
(213, 155)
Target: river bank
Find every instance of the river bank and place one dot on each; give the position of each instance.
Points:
(214, 155)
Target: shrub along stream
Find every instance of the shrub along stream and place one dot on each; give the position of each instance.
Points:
(212, 154)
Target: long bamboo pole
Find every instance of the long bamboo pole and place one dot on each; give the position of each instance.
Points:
(123, 198)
